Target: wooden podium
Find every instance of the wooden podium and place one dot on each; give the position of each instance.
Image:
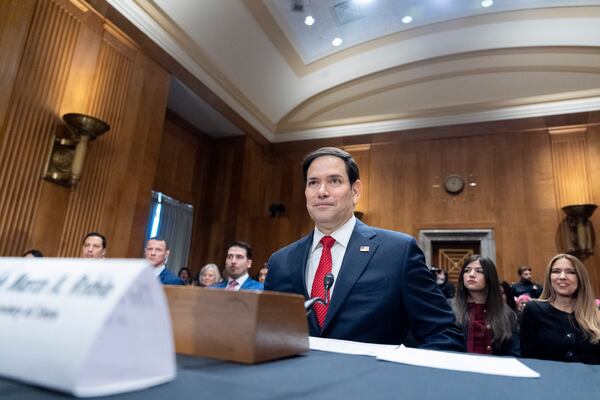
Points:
(245, 326)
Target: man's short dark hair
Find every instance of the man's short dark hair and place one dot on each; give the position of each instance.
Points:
(98, 235)
(243, 245)
(351, 167)
(158, 239)
(523, 268)
(33, 252)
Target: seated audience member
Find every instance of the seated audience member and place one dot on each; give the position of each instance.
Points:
(564, 325)
(526, 285)
(93, 246)
(508, 296)
(32, 253)
(489, 325)
(209, 275)
(237, 264)
(262, 273)
(185, 275)
(441, 279)
(522, 301)
(157, 252)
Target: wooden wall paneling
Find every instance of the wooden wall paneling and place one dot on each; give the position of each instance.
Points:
(569, 158)
(593, 145)
(224, 190)
(382, 210)
(51, 212)
(88, 205)
(201, 189)
(136, 158)
(178, 157)
(15, 20)
(32, 119)
(541, 205)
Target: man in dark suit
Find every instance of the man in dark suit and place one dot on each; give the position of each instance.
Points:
(382, 287)
(157, 252)
(237, 264)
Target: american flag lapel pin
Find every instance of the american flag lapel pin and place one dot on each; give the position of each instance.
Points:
(364, 249)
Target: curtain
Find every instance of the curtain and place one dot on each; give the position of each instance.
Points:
(172, 220)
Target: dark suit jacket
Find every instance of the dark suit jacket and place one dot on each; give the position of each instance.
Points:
(249, 284)
(169, 278)
(379, 294)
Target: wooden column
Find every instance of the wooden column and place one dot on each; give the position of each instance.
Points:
(570, 165)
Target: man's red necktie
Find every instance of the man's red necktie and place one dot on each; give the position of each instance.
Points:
(318, 288)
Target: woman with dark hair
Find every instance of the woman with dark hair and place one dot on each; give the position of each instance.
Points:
(564, 324)
(489, 325)
(508, 295)
(185, 275)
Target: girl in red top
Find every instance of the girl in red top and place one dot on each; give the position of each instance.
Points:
(488, 324)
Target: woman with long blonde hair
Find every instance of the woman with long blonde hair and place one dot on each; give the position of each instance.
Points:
(564, 324)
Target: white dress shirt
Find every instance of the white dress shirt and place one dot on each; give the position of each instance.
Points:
(338, 250)
(158, 270)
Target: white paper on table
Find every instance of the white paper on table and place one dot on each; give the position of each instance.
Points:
(348, 347)
(491, 365)
(86, 327)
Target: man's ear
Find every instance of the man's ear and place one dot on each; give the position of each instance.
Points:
(356, 190)
(249, 264)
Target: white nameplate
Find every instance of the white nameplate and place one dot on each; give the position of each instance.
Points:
(85, 327)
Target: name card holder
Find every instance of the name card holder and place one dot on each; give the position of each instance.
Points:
(84, 327)
(244, 326)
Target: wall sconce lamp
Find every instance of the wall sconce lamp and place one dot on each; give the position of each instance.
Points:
(66, 156)
(581, 237)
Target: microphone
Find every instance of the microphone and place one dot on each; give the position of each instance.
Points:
(328, 283)
(310, 303)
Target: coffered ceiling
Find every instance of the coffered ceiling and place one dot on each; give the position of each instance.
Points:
(455, 62)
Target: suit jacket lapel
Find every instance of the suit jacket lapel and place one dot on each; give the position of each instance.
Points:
(298, 259)
(352, 267)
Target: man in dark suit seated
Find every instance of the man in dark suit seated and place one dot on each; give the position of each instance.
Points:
(157, 252)
(382, 287)
(237, 264)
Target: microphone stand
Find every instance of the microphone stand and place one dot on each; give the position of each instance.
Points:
(310, 303)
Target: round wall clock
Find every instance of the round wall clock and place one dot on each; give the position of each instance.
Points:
(454, 184)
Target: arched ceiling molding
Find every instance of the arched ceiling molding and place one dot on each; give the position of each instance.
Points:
(576, 60)
(517, 112)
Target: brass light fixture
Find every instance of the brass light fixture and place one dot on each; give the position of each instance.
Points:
(580, 234)
(67, 155)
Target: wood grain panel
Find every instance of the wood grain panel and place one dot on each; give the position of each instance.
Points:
(70, 60)
(593, 146)
(569, 157)
(88, 201)
(15, 20)
(31, 119)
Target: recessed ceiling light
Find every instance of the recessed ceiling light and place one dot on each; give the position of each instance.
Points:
(487, 3)
(337, 41)
(309, 20)
(407, 19)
